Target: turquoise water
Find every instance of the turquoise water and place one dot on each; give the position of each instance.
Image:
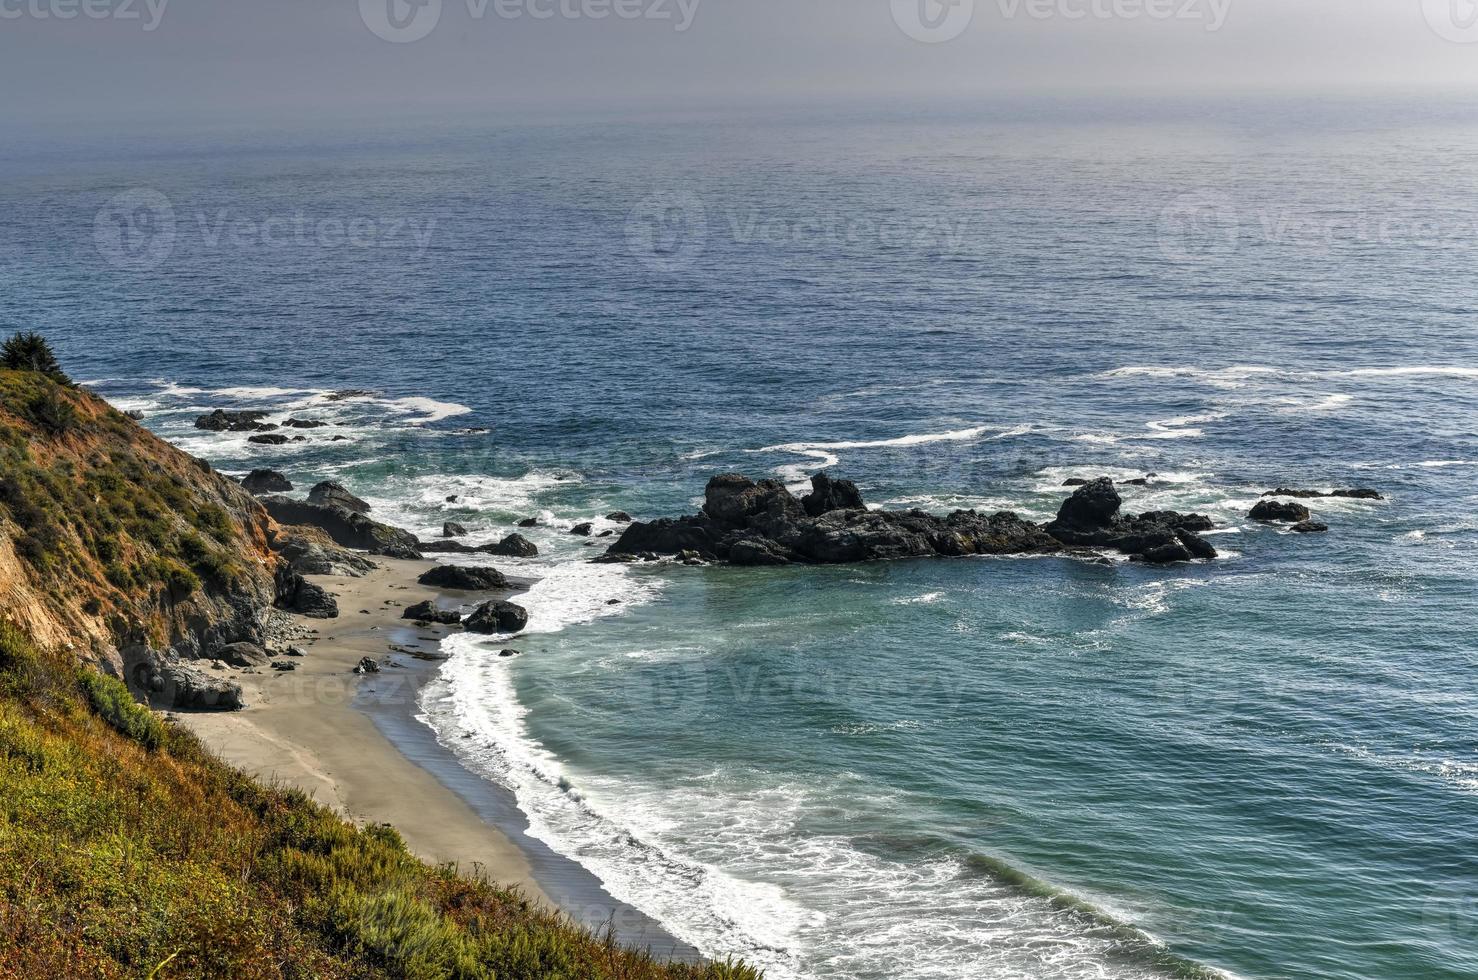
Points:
(986, 767)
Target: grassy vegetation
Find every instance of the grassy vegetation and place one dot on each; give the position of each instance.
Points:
(127, 850)
(93, 506)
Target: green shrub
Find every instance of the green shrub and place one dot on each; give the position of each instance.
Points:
(115, 705)
(52, 412)
(29, 351)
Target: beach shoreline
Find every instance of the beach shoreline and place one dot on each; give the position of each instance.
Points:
(354, 743)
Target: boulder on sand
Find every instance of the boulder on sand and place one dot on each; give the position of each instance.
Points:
(180, 686)
(464, 579)
(499, 616)
(296, 594)
(428, 612)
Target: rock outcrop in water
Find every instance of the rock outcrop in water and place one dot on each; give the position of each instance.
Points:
(265, 481)
(331, 494)
(223, 421)
(1279, 510)
(1359, 493)
(745, 522)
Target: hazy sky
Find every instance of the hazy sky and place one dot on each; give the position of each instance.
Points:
(88, 59)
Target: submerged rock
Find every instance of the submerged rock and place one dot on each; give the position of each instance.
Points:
(451, 529)
(265, 481)
(619, 517)
(223, 421)
(1278, 510)
(499, 616)
(584, 530)
(1359, 493)
(513, 546)
(270, 439)
(1309, 527)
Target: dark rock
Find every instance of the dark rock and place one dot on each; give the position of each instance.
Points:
(1309, 527)
(295, 652)
(1140, 482)
(507, 653)
(135, 414)
(304, 424)
(828, 495)
(749, 523)
(284, 665)
(184, 687)
(367, 665)
(464, 579)
(310, 557)
(270, 439)
(529, 522)
(451, 529)
(427, 612)
(619, 517)
(1277, 510)
(338, 396)
(1360, 493)
(513, 546)
(331, 494)
(1075, 482)
(339, 439)
(346, 527)
(584, 530)
(242, 655)
(1092, 506)
(265, 481)
(298, 595)
(223, 421)
(498, 617)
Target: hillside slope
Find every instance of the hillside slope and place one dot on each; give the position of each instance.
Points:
(126, 849)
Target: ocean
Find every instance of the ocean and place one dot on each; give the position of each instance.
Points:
(1042, 767)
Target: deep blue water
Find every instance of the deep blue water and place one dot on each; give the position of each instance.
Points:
(1266, 764)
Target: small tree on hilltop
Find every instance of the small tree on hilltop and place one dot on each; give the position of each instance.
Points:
(30, 352)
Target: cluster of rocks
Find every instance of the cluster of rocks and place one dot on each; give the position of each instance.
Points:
(222, 420)
(744, 522)
(497, 616)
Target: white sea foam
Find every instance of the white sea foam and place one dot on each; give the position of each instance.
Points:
(823, 455)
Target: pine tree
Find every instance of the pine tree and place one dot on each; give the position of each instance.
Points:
(30, 352)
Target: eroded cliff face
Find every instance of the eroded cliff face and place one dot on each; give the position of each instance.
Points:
(118, 545)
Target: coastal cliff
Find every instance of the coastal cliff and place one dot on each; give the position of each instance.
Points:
(126, 848)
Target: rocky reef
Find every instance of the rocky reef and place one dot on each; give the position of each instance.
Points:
(748, 522)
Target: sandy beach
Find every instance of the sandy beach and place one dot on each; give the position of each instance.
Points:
(300, 728)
